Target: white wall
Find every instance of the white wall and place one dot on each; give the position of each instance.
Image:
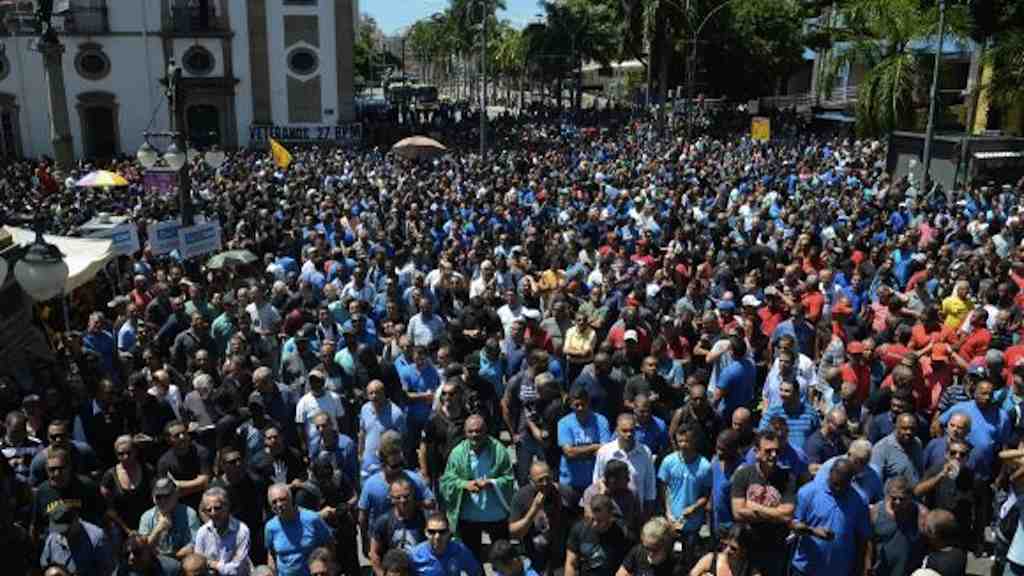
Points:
(136, 64)
(240, 60)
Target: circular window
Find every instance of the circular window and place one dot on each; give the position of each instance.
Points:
(92, 64)
(303, 61)
(198, 61)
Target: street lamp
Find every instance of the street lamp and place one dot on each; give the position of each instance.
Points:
(691, 68)
(41, 271)
(176, 155)
(933, 98)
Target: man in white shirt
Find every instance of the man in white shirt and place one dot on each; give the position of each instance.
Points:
(642, 475)
(265, 318)
(511, 311)
(317, 400)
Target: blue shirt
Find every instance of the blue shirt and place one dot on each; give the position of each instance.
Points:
(790, 457)
(372, 425)
(455, 560)
(846, 515)
(375, 497)
(737, 384)
(343, 454)
(801, 423)
(485, 505)
(292, 542)
(990, 430)
(686, 482)
(868, 483)
(653, 434)
(419, 381)
(579, 472)
(721, 487)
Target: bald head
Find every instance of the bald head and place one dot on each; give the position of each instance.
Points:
(741, 419)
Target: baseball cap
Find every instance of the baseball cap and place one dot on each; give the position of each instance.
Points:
(751, 301)
(631, 335)
(726, 305)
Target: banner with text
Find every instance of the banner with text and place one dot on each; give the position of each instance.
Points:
(199, 239)
(125, 239)
(160, 182)
(259, 134)
(163, 236)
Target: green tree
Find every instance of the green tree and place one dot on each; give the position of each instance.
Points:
(878, 36)
(998, 27)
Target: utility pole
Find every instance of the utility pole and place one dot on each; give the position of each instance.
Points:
(52, 50)
(483, 79)
(933, 98)
(174, 99)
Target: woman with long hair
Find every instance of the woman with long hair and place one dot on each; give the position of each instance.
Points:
(733, 559)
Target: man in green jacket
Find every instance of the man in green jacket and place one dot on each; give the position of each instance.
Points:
(477, 487)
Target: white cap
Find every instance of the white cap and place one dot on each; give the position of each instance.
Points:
(631, 335)
(750, 300)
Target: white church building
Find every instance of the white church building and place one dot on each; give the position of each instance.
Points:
(250, 68)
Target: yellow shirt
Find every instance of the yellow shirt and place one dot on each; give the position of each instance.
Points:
(955, 311)
(579, 343)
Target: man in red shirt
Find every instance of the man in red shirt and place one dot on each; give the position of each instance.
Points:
(976, 342)
(773, 312)
(857, 370)
(812, 299)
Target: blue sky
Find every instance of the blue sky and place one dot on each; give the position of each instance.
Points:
(392, 15)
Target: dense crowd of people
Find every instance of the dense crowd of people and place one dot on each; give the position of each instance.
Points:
(598, 352)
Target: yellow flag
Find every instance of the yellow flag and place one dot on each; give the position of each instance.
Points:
(282, 157)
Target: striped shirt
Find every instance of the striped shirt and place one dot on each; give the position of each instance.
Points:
(801, 422)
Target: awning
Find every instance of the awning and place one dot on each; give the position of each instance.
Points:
(1001, 155)
(85, 257)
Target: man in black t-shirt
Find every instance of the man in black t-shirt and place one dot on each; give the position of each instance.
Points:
(187, 463)
(401, 529)
(597, 544)
(763, 496)
(66, 488)
(655, 556)
(540, 517)
(944, 556)
(949, 486)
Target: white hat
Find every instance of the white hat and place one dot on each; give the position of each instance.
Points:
(631, 335)
(750, 300)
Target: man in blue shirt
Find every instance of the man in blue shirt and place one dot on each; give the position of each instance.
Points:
(440, 555)
(419, 381)
(723, 466)
(990, 431)
(801, 419)
(832, 522)
(292, 534)
(735, 384)
(580, 435)
(685, 478)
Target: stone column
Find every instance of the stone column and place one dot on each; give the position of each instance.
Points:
(60, 126)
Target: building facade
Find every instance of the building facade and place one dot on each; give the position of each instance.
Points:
(250, 68)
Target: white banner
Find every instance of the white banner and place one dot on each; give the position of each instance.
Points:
(125, 239)
(199, 239)
(163, 236)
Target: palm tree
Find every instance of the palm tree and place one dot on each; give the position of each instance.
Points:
(878, 35)
(510, 58)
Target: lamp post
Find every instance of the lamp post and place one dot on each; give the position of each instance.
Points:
(932, 99)
(175, 156)
(52, 50)
(40, 270)
(484, 5)
(691, 68)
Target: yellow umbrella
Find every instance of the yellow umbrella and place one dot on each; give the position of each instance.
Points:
(101, 179)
